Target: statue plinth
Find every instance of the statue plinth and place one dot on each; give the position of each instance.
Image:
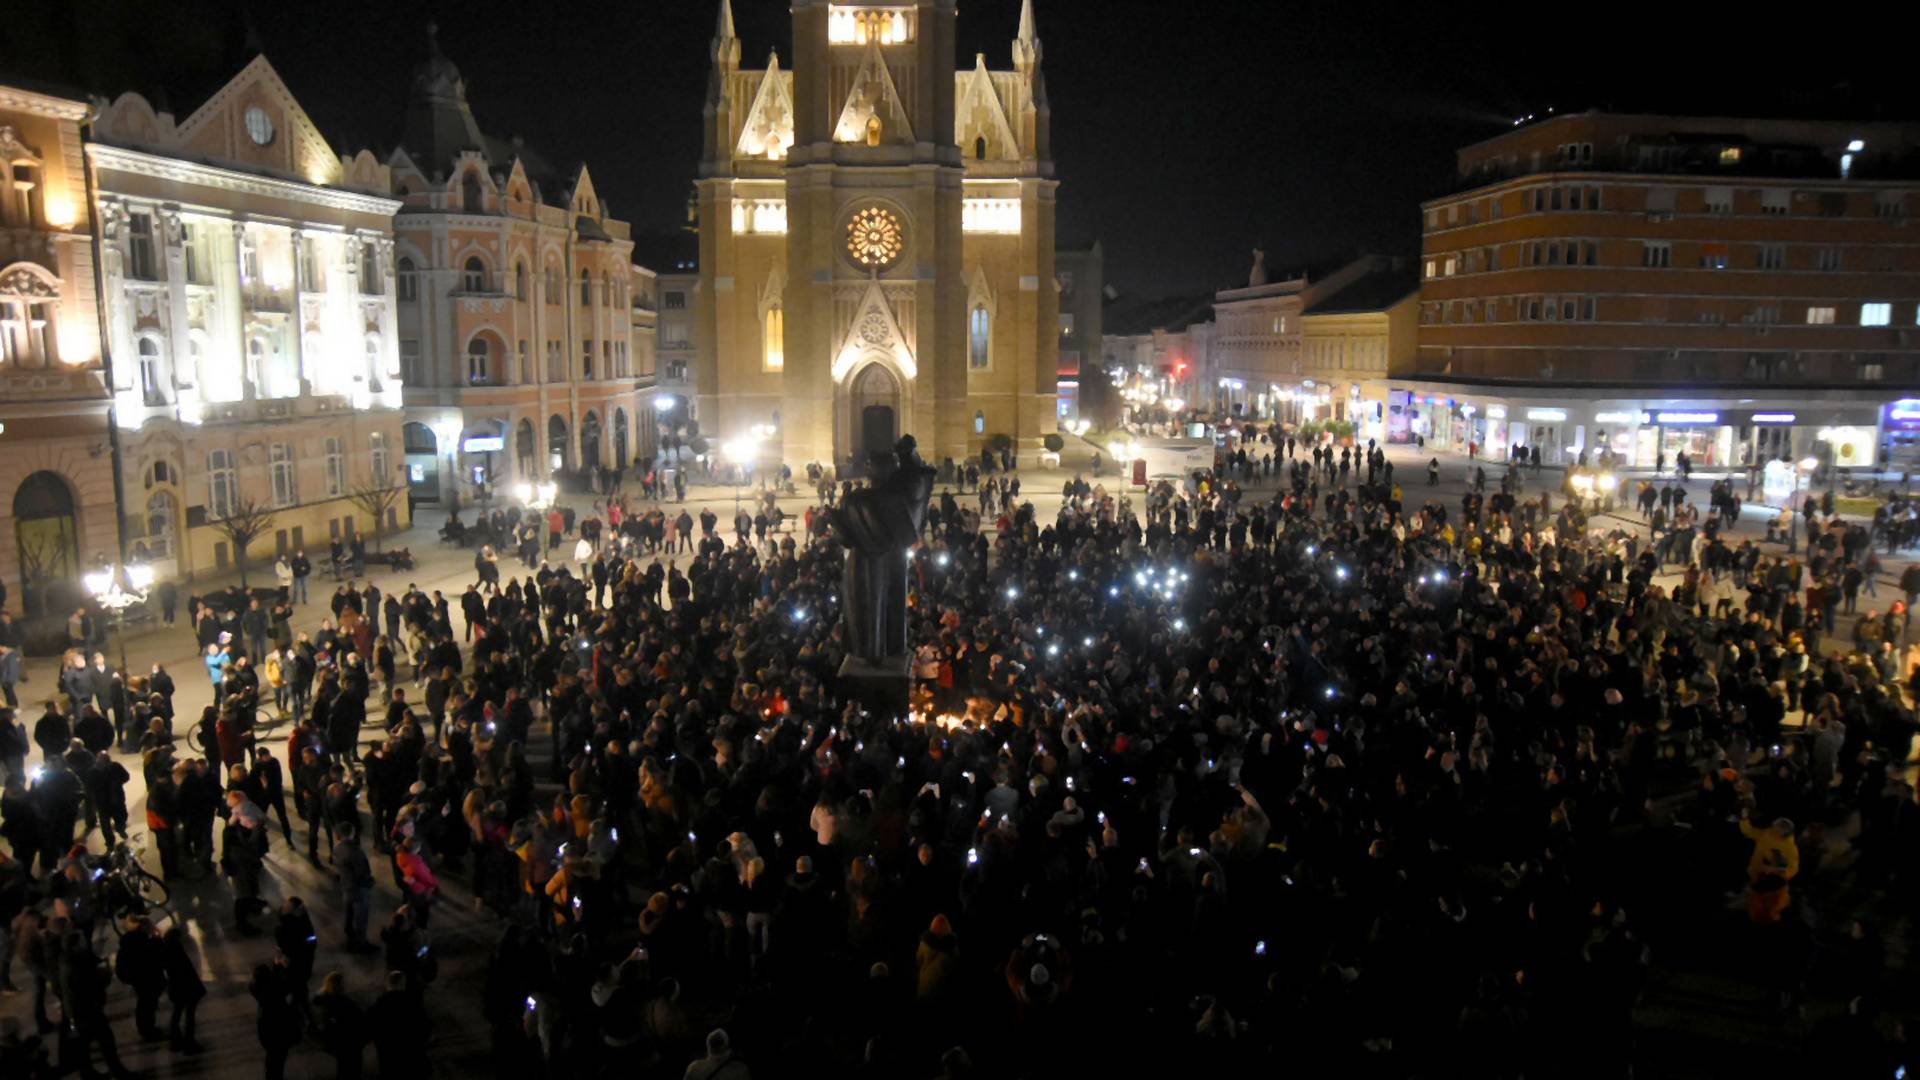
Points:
(883, 687)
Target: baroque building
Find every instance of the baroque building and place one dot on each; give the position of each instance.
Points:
(250, 317)
(57, 510)
(517, 305)
(876, 240)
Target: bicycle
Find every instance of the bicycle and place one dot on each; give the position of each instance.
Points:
(128, 889)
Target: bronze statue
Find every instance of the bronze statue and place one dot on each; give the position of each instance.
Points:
(878, 524)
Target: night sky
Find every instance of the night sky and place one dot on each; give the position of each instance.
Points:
(1185, 134)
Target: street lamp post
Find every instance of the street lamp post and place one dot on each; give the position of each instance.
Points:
(117, 588)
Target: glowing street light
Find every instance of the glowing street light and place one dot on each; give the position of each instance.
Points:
(106, 586)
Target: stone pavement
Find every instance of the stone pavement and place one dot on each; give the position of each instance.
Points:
(463, 938)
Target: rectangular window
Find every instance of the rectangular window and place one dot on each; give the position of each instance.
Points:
(1589, 252)
(673, 301)
(222, 489)
(336, 468)
(1431, 266)
(312, 273)
(1656, 253)
(1772, 256)
(377, 458)
(1588, 312)
(1833, 204)
(673, 335)
(194, 249)
(408, 286)
(1533, 309)
(1493, 311)
(1890, 204)
(1567, 309)
(280, 463)
(410, 370)
(586, 360)
(1876, 314)
(141, 264)
(1829, 258)
(1775, 201)
(1554, 201)
(1719, 200)
(526, 364)
(1660, 200)
(1452, 265)
(1538, 200)
(1573, 198)
(1872, 371)
(1819, 316)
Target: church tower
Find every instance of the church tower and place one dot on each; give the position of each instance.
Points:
(876, 235)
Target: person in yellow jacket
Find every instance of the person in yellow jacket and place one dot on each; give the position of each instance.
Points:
(1774, 862)
(274, 667)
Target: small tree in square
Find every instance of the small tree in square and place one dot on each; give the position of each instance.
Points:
(248, 521)
(376, 502)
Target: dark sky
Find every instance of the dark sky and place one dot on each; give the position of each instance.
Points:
(1184, 133)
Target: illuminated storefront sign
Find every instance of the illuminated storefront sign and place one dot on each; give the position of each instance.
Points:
(1689, 418)
(1551, 416)
(1620, 418)
(1773, 418)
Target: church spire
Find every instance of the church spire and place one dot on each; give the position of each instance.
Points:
(1026, 45)
(726, 46)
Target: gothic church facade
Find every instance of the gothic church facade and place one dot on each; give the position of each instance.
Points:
(876, 240)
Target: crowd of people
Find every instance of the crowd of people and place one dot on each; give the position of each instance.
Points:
(1290, 766)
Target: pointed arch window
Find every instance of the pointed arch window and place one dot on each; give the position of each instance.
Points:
(520, 281)
(473, 277)
(470, 193)
(980, 148)
(774, 349)
(408, 284)
(979, 338)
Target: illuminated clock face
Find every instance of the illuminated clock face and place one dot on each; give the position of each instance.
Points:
(259, 126)
(873, 238)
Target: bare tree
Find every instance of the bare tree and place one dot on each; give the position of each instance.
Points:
(246, 522)
(376, 502)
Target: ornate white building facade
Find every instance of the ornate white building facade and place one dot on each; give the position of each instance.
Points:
(250, 310)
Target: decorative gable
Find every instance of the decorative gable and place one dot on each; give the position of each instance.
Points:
(768, 131)
(874, 328)
(255, 123)
(979, 114)
(873, 112)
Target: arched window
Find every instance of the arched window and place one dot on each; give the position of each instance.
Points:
(520, 281)
(160, 525)
(979, 338)
(470, 193)
(473, 278)
(776, 333)
(477, 356)
(980, 148)
(606, 288)
(873, 131)
(375, 362)
(586, 288)
(153, 375)
(979, 422)
(409, 285)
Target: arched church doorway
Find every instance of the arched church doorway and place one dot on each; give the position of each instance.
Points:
(874, 409)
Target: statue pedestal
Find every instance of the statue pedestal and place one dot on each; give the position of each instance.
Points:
(883, 688)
